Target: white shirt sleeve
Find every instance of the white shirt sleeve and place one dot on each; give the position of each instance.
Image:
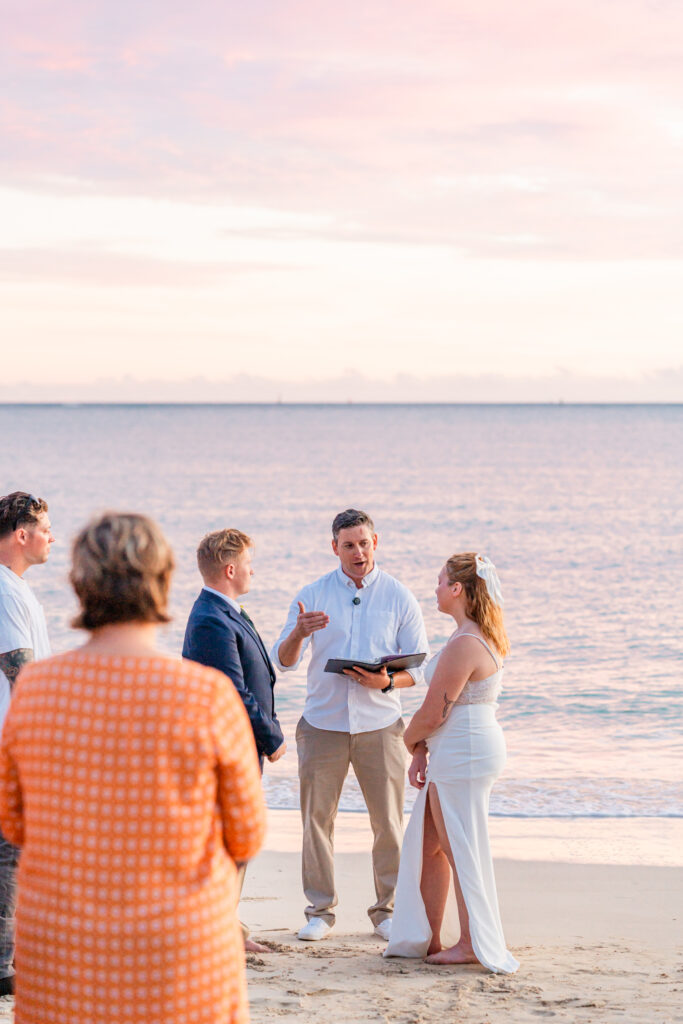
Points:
(15, 625)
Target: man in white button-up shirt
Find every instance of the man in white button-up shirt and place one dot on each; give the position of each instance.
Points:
(355, 611)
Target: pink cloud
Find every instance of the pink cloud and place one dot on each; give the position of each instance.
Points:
(364, 111)
(101, 269)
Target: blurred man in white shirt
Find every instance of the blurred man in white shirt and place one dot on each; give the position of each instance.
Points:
(355, 611)
(25, 540)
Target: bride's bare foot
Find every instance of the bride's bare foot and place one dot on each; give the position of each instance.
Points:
(434, 947)
(459, 954)
(255, 947)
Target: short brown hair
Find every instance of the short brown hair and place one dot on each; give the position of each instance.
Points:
(479, 605)
(121, 566)
(349, 518)
(220, 548)
(19, 508)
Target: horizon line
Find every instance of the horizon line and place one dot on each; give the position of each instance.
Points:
(337, 404)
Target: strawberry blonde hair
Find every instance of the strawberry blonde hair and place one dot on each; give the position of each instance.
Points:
(218, 549)
(480, 606)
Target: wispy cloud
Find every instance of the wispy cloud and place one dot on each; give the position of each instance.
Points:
(561, 386)
(361, 109)
(465, 184)
(112, 270)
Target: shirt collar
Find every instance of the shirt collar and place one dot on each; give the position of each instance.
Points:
(230, 600)
(365, 582)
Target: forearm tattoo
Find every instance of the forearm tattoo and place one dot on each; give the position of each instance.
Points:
(12, 662)
(446, 705)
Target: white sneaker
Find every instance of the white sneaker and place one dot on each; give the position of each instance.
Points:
(315, 930)
(383, 929)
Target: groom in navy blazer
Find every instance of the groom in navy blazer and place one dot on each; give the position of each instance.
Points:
(220, 634)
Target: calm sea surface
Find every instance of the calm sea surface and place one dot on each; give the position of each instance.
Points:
(578, 506)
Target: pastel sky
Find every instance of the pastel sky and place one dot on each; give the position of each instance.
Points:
(310, 196)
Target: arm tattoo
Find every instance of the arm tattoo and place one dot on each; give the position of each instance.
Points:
(12, 662)
(446, 705)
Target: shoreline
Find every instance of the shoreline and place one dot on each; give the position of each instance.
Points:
(652, 842)
(597, 941)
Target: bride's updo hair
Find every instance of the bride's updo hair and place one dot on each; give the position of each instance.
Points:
(121, 571)
(480, 606)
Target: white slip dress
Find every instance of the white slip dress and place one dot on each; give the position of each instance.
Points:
(466, 756)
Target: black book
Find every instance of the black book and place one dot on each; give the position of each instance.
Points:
(392, 662)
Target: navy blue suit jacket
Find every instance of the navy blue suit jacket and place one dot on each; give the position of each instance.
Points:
(218, 636)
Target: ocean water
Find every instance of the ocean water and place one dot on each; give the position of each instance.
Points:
(578, 506)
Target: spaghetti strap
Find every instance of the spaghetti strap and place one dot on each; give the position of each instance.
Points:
(481, 641)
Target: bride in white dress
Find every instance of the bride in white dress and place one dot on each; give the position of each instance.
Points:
(446, 904)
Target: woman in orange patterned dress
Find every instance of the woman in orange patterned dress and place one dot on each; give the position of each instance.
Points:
(131, 782)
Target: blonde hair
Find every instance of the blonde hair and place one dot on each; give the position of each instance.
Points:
(480, 607)
(121, 571)
(220, 548)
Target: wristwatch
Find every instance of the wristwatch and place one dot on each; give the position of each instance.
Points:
(390, 687)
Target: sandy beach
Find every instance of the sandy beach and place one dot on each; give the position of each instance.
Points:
(599, 938)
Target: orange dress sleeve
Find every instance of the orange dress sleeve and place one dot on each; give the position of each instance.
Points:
(240, 791)
(11, 801)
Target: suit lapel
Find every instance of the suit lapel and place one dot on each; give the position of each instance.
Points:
(253, 632)
(218, 602)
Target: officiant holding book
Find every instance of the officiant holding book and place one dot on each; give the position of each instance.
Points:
(357, 611)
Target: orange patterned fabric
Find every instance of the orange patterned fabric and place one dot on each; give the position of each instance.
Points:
(132, 785)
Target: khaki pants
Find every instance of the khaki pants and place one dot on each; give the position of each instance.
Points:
(379, 762)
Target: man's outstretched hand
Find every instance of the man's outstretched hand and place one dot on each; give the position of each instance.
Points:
(309, 622)
(306, 623)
